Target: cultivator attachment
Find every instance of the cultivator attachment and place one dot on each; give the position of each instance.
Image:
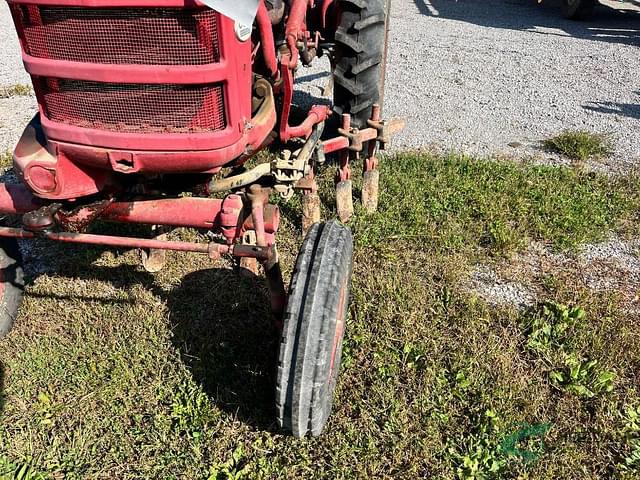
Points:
(353, 144)
(295, 170)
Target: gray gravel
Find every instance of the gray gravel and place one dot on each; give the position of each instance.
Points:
(478, 75)
(612, 265)
(15, 112)
(488, 77)
(11, 69)
(487, 284)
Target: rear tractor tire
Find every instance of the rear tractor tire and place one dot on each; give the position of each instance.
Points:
(11, 283)
(360, 58)
(314, 324)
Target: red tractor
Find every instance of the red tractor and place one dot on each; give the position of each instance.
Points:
(148, 112)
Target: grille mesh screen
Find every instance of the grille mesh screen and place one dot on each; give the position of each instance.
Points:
(148, 36)
(142, 108)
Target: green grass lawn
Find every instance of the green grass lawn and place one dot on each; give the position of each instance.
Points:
(115, 373)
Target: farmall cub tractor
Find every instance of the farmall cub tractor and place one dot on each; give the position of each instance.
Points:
(148, 112)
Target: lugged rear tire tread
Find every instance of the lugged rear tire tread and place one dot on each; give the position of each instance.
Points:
(360, 55)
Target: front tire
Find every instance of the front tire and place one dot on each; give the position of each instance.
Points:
(314, 323)
(578, 9)
(11, 283)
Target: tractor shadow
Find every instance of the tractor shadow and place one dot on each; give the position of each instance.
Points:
(222, 327)
(611, 24)
(220, 323)
(631, 110)
(2, 394)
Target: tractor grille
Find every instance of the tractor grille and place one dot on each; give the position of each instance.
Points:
(141, 108)
(148, 36)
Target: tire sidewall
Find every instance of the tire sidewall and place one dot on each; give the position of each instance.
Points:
(325, 378)
(11, 283)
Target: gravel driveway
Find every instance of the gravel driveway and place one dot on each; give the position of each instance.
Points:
(490, 77)
(478, 75)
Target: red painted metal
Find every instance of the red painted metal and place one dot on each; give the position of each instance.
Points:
(334, 144)
(221, 88)
(371, 161)
(266, 39)
(296, 26)
(17, 199)
(138, 108)
(324, 11)
(191, 212)
(107, 240)
(318, 113)
(52, 176)
(231, 210)
(153, 36)
(177, 212)
(88, 173)
(113, 3)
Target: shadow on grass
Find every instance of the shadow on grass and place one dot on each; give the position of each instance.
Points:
(2, 400)
(221, 326)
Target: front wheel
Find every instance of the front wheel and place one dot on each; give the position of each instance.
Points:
(578, 9)
(11, 283)
(314, 324)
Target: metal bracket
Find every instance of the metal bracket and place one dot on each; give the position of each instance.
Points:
(386, 129)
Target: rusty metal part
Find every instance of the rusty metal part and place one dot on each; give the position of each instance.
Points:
(310, 210)
(153, 260)
(271, 219)
(385, 129)
(177, 212)
(291, 168)
(106, 240)
(355, 140)
(286, 170)
(370, 185)
(248, 267)
(277, 291)
(344, 200)
(79, 219)
(213, 250)
(230, 217)
(258, 197)
(41, 219)
(262, 254)
(306, 184)
(240, 180)
(343, 173)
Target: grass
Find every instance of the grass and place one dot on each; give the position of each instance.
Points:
(115, 373)
(17, 90)
(580, 144)
(6, 160)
